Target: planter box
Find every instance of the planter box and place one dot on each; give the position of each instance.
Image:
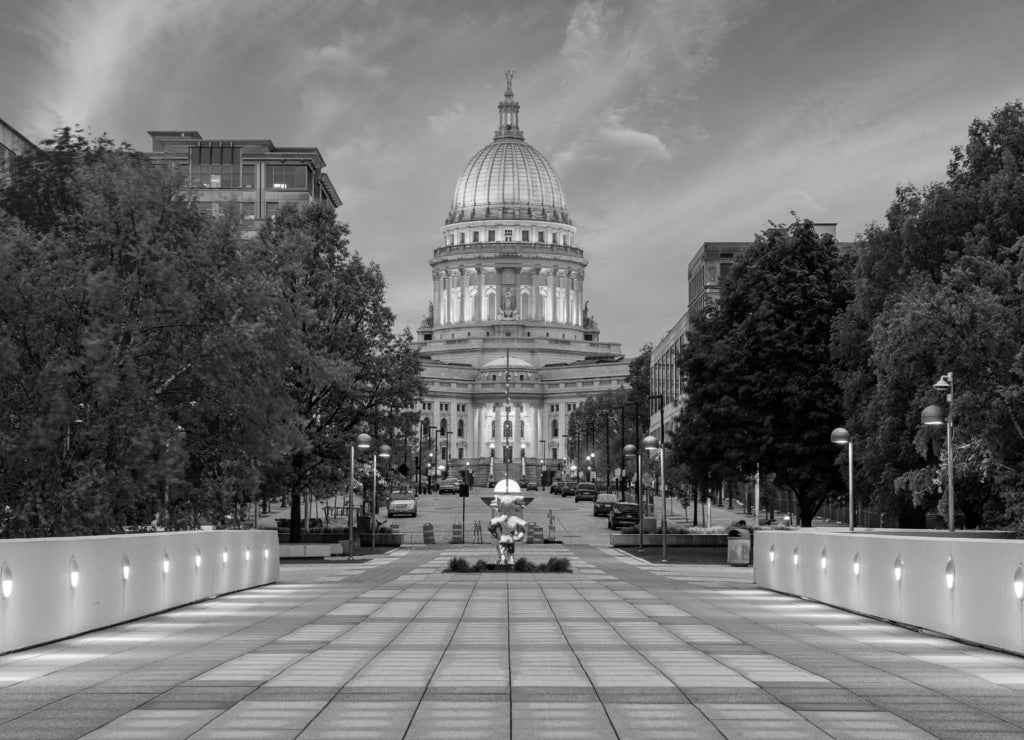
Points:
(673, 540)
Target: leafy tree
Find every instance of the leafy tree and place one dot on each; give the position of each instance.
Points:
(348, 370)
(938, 288)
(132, 343)
(757, 370)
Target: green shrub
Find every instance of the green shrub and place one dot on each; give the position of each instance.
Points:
(557, 565)
(479, 566)
(458, 565)
(524, 566)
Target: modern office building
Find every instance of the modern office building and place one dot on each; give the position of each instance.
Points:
(508, 317)
(252, 175)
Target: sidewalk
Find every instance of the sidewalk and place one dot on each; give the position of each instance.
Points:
(394, 648)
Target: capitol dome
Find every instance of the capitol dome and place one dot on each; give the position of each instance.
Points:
(508, 178)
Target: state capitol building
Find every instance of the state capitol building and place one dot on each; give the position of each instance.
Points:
(508, 293)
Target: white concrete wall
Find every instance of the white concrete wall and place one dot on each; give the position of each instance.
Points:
(981, 607)
(43, 606)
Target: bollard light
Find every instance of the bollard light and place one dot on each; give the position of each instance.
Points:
(73, 573)
(897, 569)
(950, 574)
(198, 558)
(1018, 582)
(126, 568)
(6, 582)
(856, 564)
(167, 563)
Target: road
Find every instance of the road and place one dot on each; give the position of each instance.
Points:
(574, 523)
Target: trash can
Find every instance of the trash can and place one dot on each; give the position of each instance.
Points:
(739, 547)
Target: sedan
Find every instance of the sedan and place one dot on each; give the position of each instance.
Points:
(603, 503)
(586, 492)
(621, 513)
(405, 506)
(448, 485)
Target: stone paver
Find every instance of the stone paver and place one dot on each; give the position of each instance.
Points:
(394, 648)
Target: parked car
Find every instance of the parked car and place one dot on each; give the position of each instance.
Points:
(556, 487)
(623, 512)
(586, 491)
(531, 486)
(603, 503)
(569, 488)
(402, 505)
(448, 485)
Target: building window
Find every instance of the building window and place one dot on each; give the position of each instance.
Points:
(205, 208)
(428, 405)
(247, 208)
(461, 451)
(492, 430)
(462, 238)
(565, 239)
(216, 166)
(443, 427)
(554, 427)
(526, 235)
(249, 176)
(508, 235)
(443, 407)
(460, 429)
(540, 236)
(476, 237)
(490, 235)
(553, 408)
(287, 177)
(522, 429)
(461, 407)
(272, 208)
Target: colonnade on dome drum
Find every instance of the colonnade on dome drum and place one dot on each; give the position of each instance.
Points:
(473, 295)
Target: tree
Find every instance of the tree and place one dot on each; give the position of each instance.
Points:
(132, 337)
(757, 371)
(938, 289)
(348, 370)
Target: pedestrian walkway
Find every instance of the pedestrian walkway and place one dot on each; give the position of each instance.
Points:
(620, 648)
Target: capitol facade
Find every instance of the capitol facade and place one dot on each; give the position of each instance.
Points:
(509, 347)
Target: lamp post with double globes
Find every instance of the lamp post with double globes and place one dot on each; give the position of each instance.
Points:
(842, 437)
(631, 451)
(651, 443)
(933, 416)
(363, 442)
(383, 451)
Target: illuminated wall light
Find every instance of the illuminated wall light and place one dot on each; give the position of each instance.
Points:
(824, 560)
(856, 564)
(897, 569)
(1018, 582)
(247, 553)
(73, 573)
(796, 556)
(266, 553)
(950, 574)
(199, 558)
(771, 554)
(6, 582)
(126, 568)
(167, 563)
(224, 556)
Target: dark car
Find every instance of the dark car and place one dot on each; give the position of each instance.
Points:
(569, 488)
(448, 485)
(556, 486)
(603, 503)
(586, 491)
(621, 513)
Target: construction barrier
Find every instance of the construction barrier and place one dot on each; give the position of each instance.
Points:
(457, 534)
(428, 534)
(534, 534)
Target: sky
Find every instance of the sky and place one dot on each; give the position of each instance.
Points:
(670, 122)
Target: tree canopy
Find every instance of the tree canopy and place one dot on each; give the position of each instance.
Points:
(757, 373)
(157, 368)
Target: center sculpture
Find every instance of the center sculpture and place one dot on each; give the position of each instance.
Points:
(506, 525)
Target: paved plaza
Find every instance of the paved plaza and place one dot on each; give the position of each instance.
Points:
(392, 647)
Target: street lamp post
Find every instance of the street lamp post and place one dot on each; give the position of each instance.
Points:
(632, 451)
(385, 452)
(651, 443)
(842, 437)
(522, 457)
(363, 442)
(934, 415)
(543, 469)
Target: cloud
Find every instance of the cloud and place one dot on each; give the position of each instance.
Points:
(443, 123)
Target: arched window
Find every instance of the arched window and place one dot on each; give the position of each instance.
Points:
(460, 429)
(554, 428)
(492, 430)
(507, 429)
(522, 429)
(443, 427)
(425, 428)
